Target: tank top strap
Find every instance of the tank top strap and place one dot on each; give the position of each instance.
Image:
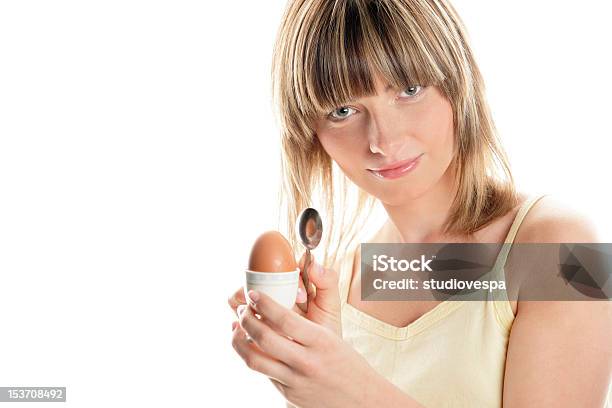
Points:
(347, 264)
(502, 305)
(518, 220)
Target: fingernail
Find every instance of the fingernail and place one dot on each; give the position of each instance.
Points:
(253, 296)
(240, 309)
(301, 296)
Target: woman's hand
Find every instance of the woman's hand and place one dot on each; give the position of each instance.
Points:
(309, 363)
(323, 307)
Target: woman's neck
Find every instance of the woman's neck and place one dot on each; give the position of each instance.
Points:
(422, 219)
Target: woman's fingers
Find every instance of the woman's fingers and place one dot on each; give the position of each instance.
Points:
(269, 341)
(285, 321)
(301, 293)
(297, 309)
(324, 287)
(302, 298)
(258, 361)
(301, 264)
(237, 299)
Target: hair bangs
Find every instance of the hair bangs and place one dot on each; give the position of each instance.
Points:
(351, 43)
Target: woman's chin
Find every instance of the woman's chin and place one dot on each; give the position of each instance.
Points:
(397, 195)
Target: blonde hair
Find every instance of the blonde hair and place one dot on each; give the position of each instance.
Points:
(326, 53)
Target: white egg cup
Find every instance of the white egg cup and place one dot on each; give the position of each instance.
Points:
(280, 286)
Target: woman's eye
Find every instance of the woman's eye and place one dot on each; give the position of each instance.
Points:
(412, 90)
(341, 113)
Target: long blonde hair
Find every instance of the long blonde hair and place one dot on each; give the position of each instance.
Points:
(326, 53)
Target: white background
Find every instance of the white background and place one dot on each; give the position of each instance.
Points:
(139, 160)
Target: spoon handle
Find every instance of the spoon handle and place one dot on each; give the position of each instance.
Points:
(305, 280)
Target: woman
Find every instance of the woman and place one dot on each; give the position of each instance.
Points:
(388, 92)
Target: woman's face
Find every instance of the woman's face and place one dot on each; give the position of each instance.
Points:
(387, 129)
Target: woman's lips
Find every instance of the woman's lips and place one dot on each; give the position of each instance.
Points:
(398, 171)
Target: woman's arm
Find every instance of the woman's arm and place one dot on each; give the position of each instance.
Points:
(559, 355)
(559, 352)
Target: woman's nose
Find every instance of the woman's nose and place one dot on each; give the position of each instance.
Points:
(384, 133)
(375, 149)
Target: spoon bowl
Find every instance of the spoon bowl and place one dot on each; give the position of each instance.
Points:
(310, 230)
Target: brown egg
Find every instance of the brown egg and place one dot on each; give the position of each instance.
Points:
(272, 253)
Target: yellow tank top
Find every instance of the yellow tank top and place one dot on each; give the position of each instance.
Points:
(452, 356)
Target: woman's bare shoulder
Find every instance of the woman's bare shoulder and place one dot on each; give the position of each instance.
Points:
(554, 220)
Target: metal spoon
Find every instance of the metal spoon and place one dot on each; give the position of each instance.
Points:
(310, 229)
